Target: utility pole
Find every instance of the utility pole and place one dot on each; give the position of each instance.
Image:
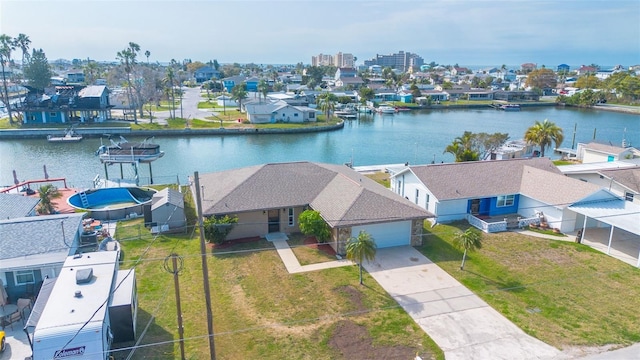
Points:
(175, 269)
(205, 269)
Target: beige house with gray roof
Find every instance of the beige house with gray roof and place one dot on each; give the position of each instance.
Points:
(595, 152)
(269, 198)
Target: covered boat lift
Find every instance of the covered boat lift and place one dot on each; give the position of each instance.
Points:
(617, 214)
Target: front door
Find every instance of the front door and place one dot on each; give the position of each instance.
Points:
(475, 207)
(274, 220)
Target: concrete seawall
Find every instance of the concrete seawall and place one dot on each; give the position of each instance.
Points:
(41, 133)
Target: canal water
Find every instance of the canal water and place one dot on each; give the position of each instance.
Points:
(417, 137)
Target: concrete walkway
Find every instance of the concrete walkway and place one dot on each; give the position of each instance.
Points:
(290, 260)
(462, 324)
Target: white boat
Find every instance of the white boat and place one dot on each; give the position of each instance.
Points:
(510, 107)
(127, 152)
(70, 136)
(384, 109)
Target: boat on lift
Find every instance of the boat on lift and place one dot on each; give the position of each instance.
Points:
(129, 152)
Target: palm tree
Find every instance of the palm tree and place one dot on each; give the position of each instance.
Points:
(6, 47)
(47, 193)
(462, 148)
(128, 58)
(168, 83)
(239, 93)
(263, 88)
(147, 54)
(543, 134)
(91, 71)
(22, 42)
(361, 248)
(468, 240)
(327, 103)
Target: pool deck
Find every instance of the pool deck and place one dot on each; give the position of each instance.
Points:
(60, 204)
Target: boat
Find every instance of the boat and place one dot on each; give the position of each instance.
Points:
(348, 112)
(70, 136)
(510, 107)
(384, 109)
(129, 152)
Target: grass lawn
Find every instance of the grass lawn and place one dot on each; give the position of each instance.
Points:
(563, 293)
(381, 178)
(260, 310)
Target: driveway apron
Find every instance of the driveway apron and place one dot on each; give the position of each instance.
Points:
(462, 324)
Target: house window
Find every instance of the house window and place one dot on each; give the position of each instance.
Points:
(399, 187)
(628, 196)
(52, 114)
(506, 200)
(417, 196)
(292, 219)
(426, 202)
(24, 277)
(312, 115)
(295, 115)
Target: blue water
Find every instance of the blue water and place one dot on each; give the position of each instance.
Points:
(103, 197)
(415, 137)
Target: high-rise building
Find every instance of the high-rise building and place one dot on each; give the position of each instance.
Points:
(402, 61)
(339, 60)
(322, 60)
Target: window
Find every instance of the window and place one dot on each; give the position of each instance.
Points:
(628, 196)
(417, 196)
(426, 202)
(295, 115)
(312, 115)
(506, 200)
(292, 219)
(24, 277)
(52, 114)
(399, 189)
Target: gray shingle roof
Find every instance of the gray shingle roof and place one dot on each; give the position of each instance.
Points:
(37, 234)
(629, 178)
(552, 188)
(477, 178)
(168, 196)
(608, 149)
(92, 91)
(14, 206)
(343, 196)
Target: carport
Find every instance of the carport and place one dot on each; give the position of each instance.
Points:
(617, 214)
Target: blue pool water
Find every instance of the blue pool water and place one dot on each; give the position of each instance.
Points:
(112, 203)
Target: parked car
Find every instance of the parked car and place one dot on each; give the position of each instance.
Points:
(2, 340)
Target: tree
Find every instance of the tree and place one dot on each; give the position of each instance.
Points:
(263, 88)
(361, 248)
(239, 93)
(91, 71)
(543, 134)
(22, 42)
(147, 54)
(127, 58)
(366, 93)
(216, 228)
(415, 92)
(312, 224)
(541, 79)
(6, 47)
(47, 193)
(169, 89)
(588, 82)
(326, 101)
(462, 148)
(38, 72)
(469, 240)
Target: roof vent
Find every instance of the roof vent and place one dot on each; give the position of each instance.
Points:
(84, 276)
(78, 294)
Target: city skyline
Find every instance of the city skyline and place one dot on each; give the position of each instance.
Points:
(287, 32)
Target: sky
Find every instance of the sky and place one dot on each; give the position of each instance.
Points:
(467, 32)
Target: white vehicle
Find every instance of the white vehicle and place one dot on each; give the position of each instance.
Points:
(75, 319)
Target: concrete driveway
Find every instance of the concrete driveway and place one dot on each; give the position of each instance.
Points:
(462, 324)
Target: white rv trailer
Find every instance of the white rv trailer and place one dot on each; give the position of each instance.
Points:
(75, 321)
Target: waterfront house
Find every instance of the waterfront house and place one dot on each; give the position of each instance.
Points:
(596, 152)
(68, 103)
(586, 70)
(516, 95)
(34, 247)
(15, 206)
(269, 198)
(226, 100)
(620, 177)
(484, 192)
(261, 113)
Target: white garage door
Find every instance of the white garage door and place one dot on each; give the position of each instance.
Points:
(387, 234)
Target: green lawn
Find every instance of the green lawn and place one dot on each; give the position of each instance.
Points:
(563, 293)
(260, 310)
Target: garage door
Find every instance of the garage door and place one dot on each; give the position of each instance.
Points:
(387, 234)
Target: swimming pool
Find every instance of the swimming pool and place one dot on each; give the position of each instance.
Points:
(112, 203)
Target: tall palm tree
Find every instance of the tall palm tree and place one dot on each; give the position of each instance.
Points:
(47, 193)
(168, 83)
(147, 54)
(468, 240)
(239, 93)
(361, 248)
(6, 47)
(128, 59)
(22, 42)
(263, 88)
(462, 148)
(91, 71)
(543, 134)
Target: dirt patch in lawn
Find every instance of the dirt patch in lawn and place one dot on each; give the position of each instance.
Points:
(314, 244)
(353, 341)
(355, 296)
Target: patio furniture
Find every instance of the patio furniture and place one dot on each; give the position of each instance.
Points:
(23, 304)
(8, 315)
